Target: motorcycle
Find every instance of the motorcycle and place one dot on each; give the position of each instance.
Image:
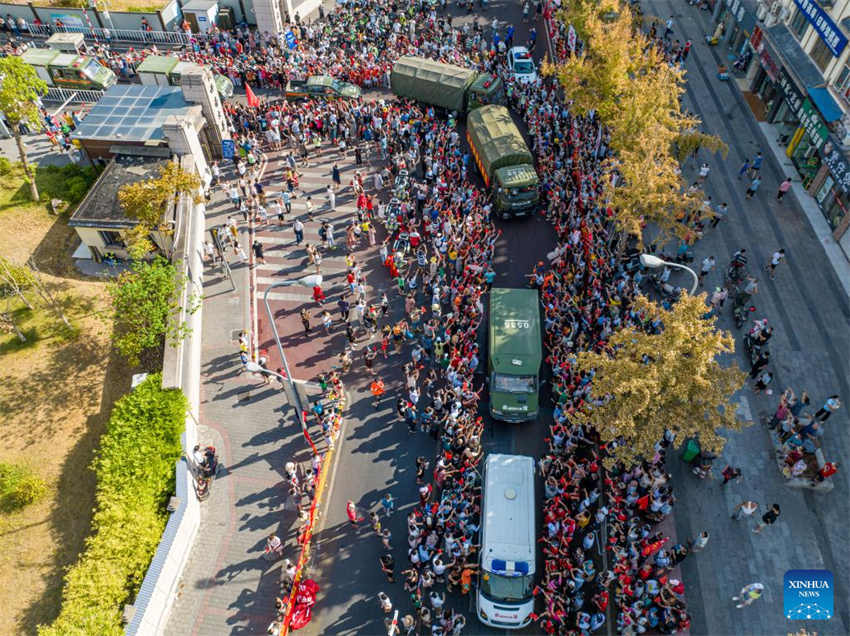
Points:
(701, 464)
(741, 314)
(206, 467)
(735, 274)
(756, 340)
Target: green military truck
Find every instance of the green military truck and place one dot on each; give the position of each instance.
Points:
(515, 353)
(446, 86)
(503, 158)
(69, 70)
(321, 87)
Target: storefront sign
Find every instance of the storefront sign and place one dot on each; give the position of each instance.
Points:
(828, 31)
(755, 38)
(768, 64)
(743, 17)
(837, 163)
(789, 89)
(811, 120)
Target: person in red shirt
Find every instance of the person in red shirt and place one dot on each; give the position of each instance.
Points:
(828, 470)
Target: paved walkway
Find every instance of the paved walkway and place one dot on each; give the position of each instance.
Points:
(228, 588)
(808, 307)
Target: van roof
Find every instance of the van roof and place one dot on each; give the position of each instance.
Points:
(508, 532)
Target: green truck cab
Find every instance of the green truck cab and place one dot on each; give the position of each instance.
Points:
(446, 86)
(321, 87)
(69, 70)
(166, 70)
(515, 354)
(504, 160)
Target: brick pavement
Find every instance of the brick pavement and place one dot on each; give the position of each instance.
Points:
(807, 305)
(227, 587)
(310, 355)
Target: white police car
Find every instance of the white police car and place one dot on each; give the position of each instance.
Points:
(521, 65)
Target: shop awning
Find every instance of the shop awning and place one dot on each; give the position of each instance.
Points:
(796, 60)
(825, 103)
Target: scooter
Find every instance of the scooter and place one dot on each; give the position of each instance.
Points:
(741, 313)
(701, 464)
(207, 466)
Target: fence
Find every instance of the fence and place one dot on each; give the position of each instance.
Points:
(70, 96)
(174, 38)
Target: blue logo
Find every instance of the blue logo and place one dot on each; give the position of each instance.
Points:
(808, 595)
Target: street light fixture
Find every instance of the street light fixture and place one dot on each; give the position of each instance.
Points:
(305, 281)
(650, 261)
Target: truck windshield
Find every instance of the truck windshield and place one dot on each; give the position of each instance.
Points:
(91, 69)
(514, 589)
(514, 383)
(523, 189)
(523, 67)
(337, 85)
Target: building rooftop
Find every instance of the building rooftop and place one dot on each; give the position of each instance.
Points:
(133, 113)
(100, 208)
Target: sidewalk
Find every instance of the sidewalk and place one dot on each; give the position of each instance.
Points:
(807, 304)
(227, 586)
(837, 258)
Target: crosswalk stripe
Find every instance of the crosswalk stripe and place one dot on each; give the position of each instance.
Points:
(276, 264)
(296, 298)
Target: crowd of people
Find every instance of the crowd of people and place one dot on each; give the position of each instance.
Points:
(438, 247)
(586, 294)
(442, 276)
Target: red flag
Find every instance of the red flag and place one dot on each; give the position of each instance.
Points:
(249, 94)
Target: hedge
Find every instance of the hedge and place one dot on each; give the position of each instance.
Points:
(135, 477)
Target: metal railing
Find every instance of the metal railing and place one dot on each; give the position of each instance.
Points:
(136, 36)
(70, 95)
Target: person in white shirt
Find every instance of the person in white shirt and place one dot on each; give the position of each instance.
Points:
(777, 257)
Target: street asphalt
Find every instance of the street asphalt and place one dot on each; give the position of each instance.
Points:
(376, 454)
(228, 588)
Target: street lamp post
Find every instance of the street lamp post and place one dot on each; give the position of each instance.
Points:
(653, 262)
(306, 281)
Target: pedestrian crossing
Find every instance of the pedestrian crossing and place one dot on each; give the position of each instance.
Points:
(286, 261)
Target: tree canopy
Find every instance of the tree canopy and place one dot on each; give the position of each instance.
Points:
(648, 382)
(147, 201)
(143, 302)
(20, 88)
(621, 75)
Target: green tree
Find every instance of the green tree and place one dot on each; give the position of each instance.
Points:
(624, 77)
(20, 88)
(144, 302)
(647, 383)
(148, 200)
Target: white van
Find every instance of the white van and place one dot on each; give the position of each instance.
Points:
(508, 547)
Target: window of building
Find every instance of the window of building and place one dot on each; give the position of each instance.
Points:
(842, 84)
(821, 55)
(111, 239)
(798, 24)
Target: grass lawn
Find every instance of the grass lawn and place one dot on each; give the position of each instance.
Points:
(114, 5)
(56, 392)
